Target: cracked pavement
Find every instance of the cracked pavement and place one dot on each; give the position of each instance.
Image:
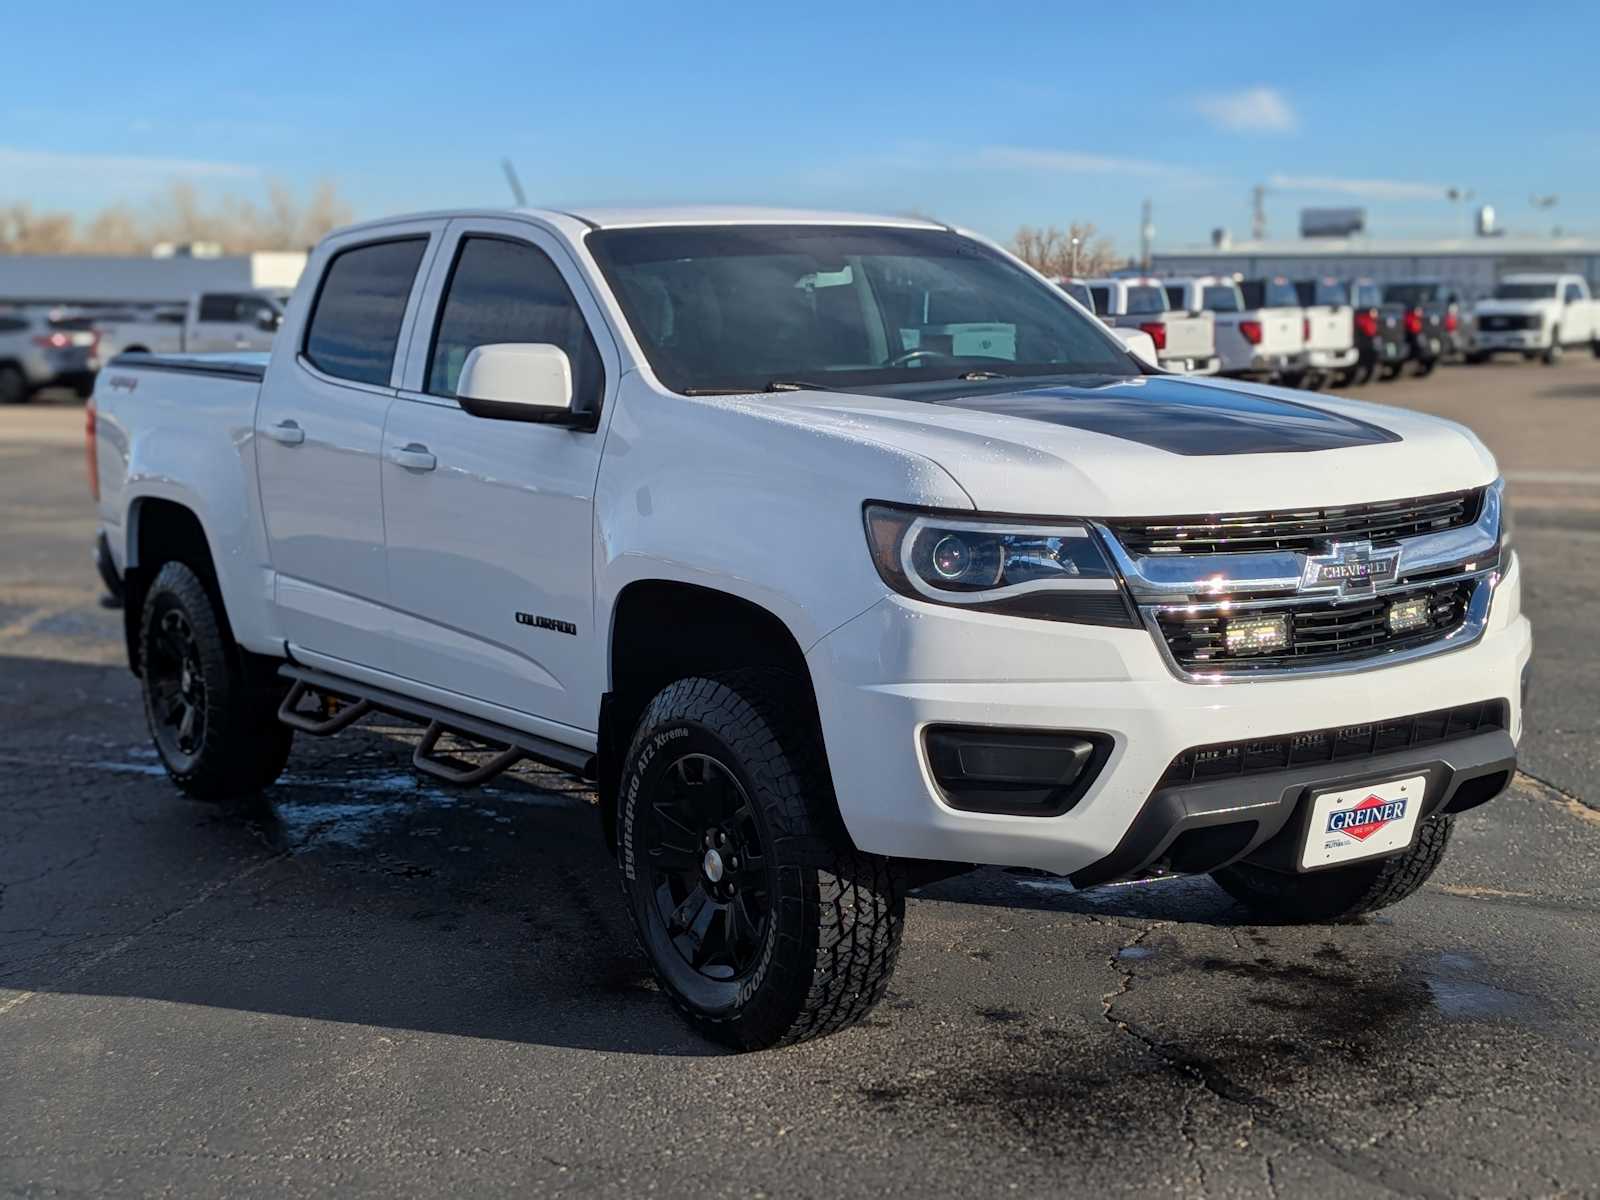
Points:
(373, 986)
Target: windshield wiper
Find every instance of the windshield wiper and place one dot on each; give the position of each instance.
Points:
(799, 385)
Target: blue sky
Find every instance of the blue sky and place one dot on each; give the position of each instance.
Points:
(986, 115)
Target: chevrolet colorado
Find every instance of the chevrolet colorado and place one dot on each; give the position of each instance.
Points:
(840, 553)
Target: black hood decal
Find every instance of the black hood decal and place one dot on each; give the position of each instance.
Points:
(1181, 417)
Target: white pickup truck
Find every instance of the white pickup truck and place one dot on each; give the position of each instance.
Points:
(1538, 316)
(1185, 341)
(841, 553)
(1256, 337)
(211, 322)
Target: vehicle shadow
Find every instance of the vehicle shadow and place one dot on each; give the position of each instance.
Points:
(351, 891)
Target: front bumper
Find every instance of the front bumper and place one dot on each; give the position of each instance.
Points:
(1188, 365)
(885, 676)
(1530, 339)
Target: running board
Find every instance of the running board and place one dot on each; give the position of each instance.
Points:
(361, 699)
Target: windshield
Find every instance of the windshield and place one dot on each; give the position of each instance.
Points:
(1323, 293)
(1080, 293)
(1410, 293)
(1525, 291)
(1221, 297)
(1269, 293)
(1144, 300)
(743, 308)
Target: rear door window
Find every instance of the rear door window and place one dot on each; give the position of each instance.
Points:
(355, 322)
(507, 291)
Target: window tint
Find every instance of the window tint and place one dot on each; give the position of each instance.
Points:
(504, 291)
(1079, 293)
(355, 324)
(1221, 298)
(12, 325)
(1573, 293)
(1365, 295)
(1144, 300)
(1102, 299)
(218, 306)
(1175, 297)
(1410, 294)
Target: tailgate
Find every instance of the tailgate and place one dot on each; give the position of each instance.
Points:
(1282, 331)
(1330, 328)
(1190, 337)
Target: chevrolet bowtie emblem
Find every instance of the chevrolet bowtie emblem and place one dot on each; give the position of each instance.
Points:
(1349, 569)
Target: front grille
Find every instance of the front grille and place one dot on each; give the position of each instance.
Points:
(1499, 322)
(1231, 759)
(1306, 529)
(1320, 631)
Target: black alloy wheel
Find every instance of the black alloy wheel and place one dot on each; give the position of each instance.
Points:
(708, 871)
(177, 689)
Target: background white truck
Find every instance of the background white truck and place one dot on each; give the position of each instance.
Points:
(840, 553)
(1184, 340)
(1538, 316)
(1259, 333)
(212, 322)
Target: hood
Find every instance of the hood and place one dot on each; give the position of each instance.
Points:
(1153, 445)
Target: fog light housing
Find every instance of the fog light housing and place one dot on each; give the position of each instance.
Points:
(1406, 615)
(1243, 636)
(1018, 772)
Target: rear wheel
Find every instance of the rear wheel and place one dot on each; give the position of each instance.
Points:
(1392, 370)
(1425, 366)
(1476, 358)
(1343, 892)
(217, 733)
(13, 385)
(760, 922)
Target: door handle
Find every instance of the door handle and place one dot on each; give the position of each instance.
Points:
(288, 433)
(413, 456)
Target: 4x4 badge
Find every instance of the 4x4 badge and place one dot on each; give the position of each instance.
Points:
(1349, 569)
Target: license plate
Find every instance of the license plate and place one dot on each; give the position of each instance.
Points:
(1362, 822)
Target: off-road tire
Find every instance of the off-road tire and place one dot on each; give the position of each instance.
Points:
(1341, 893)
(242, 746)
(13, 385)
(1555, 352)
(835, 916)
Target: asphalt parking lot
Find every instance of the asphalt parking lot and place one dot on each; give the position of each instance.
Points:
(369, 985)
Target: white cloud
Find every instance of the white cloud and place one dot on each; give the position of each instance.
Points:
(119, 164)
(1369, 189)
(1258, 109)
(1074, 162)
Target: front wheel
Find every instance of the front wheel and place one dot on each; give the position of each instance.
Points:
(1476, 358)
(1555, 351)
(1343, 892)
(760, 922)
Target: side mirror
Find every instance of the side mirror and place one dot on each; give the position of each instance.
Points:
(1139, 344)
(518, 381)
(268, 321)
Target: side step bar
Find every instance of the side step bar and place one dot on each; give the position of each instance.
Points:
(362, 699)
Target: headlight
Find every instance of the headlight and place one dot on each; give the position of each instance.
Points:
(1049, 569)
(1508, 524)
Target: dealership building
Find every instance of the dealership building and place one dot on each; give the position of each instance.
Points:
(1472, 264)
(94, 280)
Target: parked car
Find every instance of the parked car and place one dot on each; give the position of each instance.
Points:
(1379, 330)
(839, 556)
(1538, 316)
(1329, 328)
(212, 322)
(1431, 316)
(39, 351)
(1185, 341)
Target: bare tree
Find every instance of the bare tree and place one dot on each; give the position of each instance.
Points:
(1051, 251)
(238, 224)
